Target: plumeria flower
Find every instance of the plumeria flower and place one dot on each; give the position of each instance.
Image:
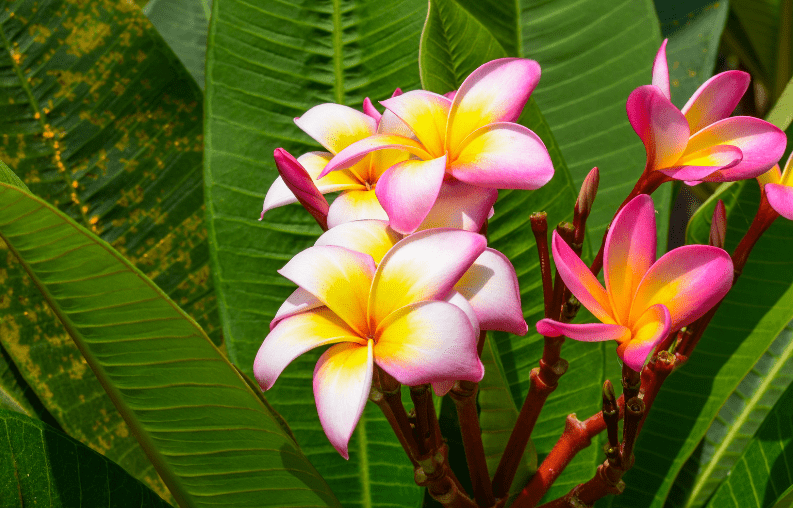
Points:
(699, 142)
(470, 138)
(401, 314)
(335, 127)
(778, 189)
(644, 299)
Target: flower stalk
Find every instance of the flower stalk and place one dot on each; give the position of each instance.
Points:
(464, 396)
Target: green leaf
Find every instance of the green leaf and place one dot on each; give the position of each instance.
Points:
(40, 465)
(753, 314)
(183, 24)
(694, 30)
(497, 417)
(736, 423)
(11, 178)
(211, 437)
(763, 475)
(786, 499)
(766, 26)
(101, 119)
(266, 64)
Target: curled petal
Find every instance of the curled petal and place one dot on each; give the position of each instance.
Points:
(373, 237)
(426, 114)
(408, 190)
(699, 165)
(495, 92)
(780, 197)
(299, 301)
(761, 143)
(355, 205)
(787, 174)
(580, 281)
(661, 126)
(688, 280)
(358, 150)
(590, 332)
(342, 382)
(461, 206)
(427, 342)
(423, 266)
(629, 252)
(648, 331)
(461, 302)
(335, 126)
(294, 336)
(491, 286)
(715, 99)
(348, 179)
(503, 156)
(338, 277)
(661, 71)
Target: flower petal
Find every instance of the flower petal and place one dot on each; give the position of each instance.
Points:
(761, 143)
(373, 237)
(355, 205)
(786, 177)
(503, 156)
(590, 332)
(461, 302)
(780, 197)
(370, 111)
(335, 126)
(461, 206)
(629, 252)
(773, 175)
(580, 281)
(688, 280)
(426, 114)
(294, 336)
(661, 71)
(338, 277)
(408, 190)
(423, 266)
(699, 165)
(347, 179)
(441, 388)
(715, 99)
(342, 382)
(661, 126)
(358, 150)
(648, 331)
(491, 286)
(299, 301)
(495, 92)
(427, 342)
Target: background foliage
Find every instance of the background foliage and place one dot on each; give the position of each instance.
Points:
(103, 110)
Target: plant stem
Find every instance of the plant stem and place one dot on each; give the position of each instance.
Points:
(464, 396)
(539, 226)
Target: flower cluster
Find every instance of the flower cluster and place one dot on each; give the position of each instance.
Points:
(403, 283)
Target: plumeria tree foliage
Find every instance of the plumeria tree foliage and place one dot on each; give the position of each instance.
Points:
(441, 186)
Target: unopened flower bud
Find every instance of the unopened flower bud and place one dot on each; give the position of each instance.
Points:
(370, 110)
(718, 226)
(302, 186)
(397, 92)
(589, 189)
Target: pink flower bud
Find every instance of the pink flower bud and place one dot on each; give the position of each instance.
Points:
(302, 186)
(718, 226)
(589, 189)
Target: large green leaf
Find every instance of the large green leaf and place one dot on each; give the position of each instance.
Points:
(752, 315)
(266, 64)
(38, 463)
(765, 26)
(183, 24)
(100, 118)
(212, 438)
(694, 31)
(763, 475)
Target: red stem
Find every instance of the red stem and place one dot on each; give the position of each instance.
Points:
(464, 396)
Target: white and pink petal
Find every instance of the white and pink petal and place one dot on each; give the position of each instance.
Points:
(335, 126)
(408, 190)
(355, 205)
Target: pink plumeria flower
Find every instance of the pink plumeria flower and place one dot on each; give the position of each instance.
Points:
(778, 189)
(470, 138)
(644, 299)
(699, 142)
(336, 127)
(401, 314)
